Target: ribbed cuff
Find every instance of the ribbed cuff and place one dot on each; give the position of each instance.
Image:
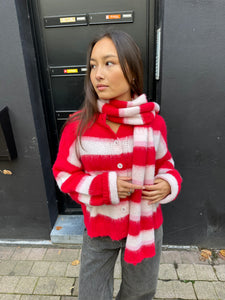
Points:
(174, 187)
(113, 193)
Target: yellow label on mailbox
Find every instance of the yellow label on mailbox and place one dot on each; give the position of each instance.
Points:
(68, 20)
(69, 71)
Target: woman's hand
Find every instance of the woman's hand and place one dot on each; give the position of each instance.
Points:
(157, 191)
(126, 188)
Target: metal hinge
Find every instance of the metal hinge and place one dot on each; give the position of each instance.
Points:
(158, 54)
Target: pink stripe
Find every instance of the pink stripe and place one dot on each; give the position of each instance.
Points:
(144, 243)
(139, 182)
(140, 144)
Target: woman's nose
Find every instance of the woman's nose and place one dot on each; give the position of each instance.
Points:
(99, 73)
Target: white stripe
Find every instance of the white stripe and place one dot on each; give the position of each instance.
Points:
(96, 146)
(135, 211)
(149, 174)
(140, 134)
(134, 121)
(114, 212)
(145, 237)
(144, 137)
(84, 184)
(84, 198)
(171, 161)
(174, 187)
(129, 112)
(162, 148)
(138, 174)
(156, 137)
(61, 178)
(143, 210)
(101, 103)
(163, 170)
(72, 157)
(113, 188)
(138, 101)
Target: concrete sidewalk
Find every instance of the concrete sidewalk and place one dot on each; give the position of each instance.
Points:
(51, 273)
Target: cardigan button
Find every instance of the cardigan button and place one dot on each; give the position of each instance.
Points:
(123, 209)
(120, 166)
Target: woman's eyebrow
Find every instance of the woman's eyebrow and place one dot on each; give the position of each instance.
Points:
(104, 57)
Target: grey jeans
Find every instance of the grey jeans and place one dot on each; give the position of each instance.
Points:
(97, 267)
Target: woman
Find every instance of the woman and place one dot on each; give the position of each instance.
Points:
(113, 160)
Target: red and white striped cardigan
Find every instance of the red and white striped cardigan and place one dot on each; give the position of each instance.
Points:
(88, 173)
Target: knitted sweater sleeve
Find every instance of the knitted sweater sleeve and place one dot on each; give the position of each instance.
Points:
(165, 168)
(72, 179)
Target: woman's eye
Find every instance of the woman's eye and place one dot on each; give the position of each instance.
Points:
(109, 63)
(92, 67)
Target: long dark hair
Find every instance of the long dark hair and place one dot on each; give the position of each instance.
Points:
(131, 64)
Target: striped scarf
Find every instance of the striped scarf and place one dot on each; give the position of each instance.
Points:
(139, 112)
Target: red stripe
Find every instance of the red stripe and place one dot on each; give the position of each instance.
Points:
(135, 257)
(106, 162)
(140, 155)
(110, 110)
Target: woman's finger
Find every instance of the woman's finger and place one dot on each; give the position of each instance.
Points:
(149, 194)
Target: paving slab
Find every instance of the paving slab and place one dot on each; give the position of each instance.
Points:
(220, 272)
(205, 290)
(167, 272)
(36, 297)
(7, 267)
(6, 252)
(117, 270)
(186, 272)
(175, 290)
(40, 268)
(72, 271)
(36, 253)
(21, 253)
(8, 284)
(220, 289)
(10, 297)
(26, 285)
(205, 272)
(64, 286)
(45, 286)
(69, 298)
(76, 287)
(116, 287)
(57, 268)
(171, 257)
(23, 267)
(61, 254)
(191, 257)
(184, 290)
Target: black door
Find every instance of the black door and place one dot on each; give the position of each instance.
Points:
(62, 32)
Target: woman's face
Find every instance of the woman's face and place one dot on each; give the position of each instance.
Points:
(106, 74)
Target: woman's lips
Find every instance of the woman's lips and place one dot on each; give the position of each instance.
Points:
(101, 87)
